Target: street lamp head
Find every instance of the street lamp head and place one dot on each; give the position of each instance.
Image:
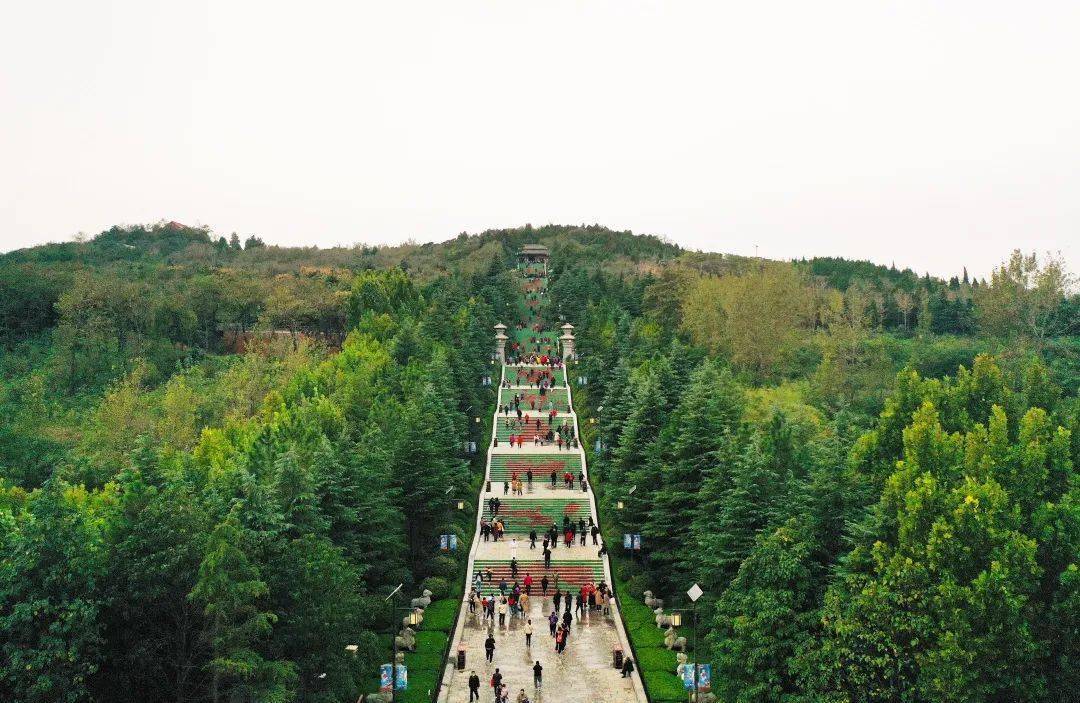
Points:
(676, 619)
(619, 505)
(461, 505)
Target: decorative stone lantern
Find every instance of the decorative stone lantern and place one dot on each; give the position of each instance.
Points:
(500, 342)
(567, 340)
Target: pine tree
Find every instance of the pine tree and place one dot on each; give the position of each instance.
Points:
(734, 507)
(157, 540)
(318, 597)
(297, 494)
(424, 463)
(361, 507)
(634, 462)
(231, 591)
(699, 436)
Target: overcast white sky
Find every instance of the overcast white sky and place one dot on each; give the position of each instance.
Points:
(933, 134)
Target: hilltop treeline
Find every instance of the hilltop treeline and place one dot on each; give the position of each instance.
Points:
(183, 517)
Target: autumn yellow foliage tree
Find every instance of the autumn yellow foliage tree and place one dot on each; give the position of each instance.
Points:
(754, 318)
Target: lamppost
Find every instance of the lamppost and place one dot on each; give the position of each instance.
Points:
(695, 592)
(458, 502)
(599, 430)
(393, 633)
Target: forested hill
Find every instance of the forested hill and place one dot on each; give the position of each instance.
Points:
(218, 457)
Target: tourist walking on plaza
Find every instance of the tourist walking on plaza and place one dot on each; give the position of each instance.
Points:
(474, 687)
(528, 633)
(538, 676)
(627, 667)
(553, 622)
(544, 585)
(489, 647)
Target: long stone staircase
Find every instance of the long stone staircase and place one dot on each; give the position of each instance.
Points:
(546, 505)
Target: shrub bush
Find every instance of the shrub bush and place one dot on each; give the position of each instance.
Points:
(439, 587)
(445, 566)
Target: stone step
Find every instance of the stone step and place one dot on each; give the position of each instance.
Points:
(529, 430)
(573, 574)
(504, 465)
(520, 515)
(534, 400)
(530, 375)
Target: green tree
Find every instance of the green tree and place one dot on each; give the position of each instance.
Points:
(764, 618)
(700, 436)
(50, 604)
(152, 630)
(423, 462)
(230, 591)
(735, 504)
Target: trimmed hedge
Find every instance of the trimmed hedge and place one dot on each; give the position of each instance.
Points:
(656, 658)
(424, 664)
(666, 688)
(441, 615)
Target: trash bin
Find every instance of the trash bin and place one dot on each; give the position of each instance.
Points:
(617, 657)
(461, 658)
(489, 486)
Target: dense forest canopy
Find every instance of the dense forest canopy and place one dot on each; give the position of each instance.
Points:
(218, 457)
